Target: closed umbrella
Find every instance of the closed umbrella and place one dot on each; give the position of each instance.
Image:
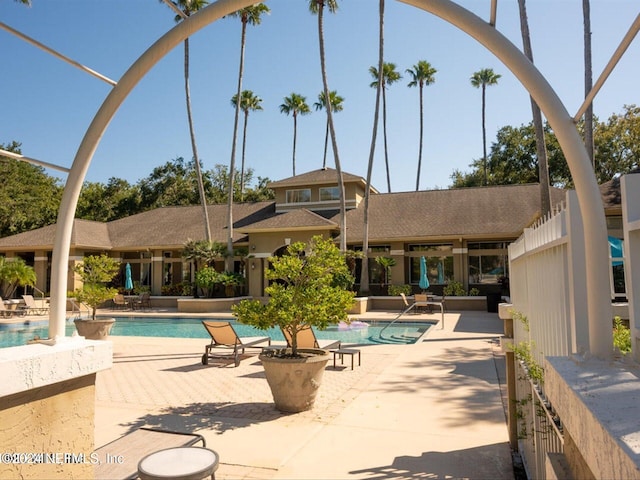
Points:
(128, 282)
(616, 247)
(424, 280)
(440, 273)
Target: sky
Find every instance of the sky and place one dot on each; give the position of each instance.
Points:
(47, 105)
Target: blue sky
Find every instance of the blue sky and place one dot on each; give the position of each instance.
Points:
(48, 104)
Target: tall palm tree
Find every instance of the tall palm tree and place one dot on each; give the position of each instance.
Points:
(588, 81)
(189, 7)
(541, 149)
(389, 76)
(336, 106)
(482, 79)
(248, 16)
(317, 7)
(364, 269)
(294, 105)
(422, 73)
(248, 103)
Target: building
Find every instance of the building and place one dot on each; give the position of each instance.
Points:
(462, 233)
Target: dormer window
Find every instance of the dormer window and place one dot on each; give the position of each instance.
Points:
(328, 194)
(302, 195)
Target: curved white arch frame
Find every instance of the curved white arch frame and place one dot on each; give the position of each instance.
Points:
(599, 307)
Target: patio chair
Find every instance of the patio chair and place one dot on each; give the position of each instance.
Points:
(142, 302)
(30, 306)
(406, 304)
(307, 339)
(223, 335)
(119, 302)
(134, 446)
(422, 297)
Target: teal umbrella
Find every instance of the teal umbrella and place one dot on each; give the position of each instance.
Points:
(440, 273)
(616, 247)
(424, 280)
(128, 282)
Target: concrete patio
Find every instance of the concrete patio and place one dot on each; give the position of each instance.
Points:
(430, 410)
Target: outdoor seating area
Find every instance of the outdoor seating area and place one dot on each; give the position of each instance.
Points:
(132, 302)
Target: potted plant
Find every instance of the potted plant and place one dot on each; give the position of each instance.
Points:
(95, 272)
(230, 280)
(308, 289)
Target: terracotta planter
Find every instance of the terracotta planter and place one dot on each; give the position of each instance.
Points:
(294, 382)
(94, 329)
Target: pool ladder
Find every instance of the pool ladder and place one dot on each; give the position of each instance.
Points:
(406, 310)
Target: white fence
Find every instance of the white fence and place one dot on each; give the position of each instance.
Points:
(548, 287)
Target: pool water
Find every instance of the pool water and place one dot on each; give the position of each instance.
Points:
(398, 333)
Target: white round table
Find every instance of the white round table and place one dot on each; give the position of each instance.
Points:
(184, 463)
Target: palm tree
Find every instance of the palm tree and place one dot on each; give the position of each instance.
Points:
(422, 73)
(389, 76)
(248, 103)
(317, 7)
(543, 165)
(588, 81)
(364, 269)
(248, 15)
(336, 106)
(482, 79)
(294, 105)
(188, 7)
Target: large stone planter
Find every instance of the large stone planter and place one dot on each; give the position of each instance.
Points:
(294, 382)
(94, 329)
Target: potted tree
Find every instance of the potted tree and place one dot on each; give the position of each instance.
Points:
(96, 271)
(308, 289)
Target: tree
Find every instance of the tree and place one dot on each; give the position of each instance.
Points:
(103, 203)
(29, 198)
(588, 82)
(364, 272)
(294, 105)
(482, 79)
(386, 263)
(422, 73)
(171, 184)
(317, 7)
(306, 289)
(248, 103)
(543, 165)
(248, 15)
(95, 272)
(189, 7)
(15, 273)
(389, 76)
(336, 106)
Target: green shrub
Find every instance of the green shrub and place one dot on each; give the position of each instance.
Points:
(454, 289)
(621, 336)
(474, 292)
(398, 289)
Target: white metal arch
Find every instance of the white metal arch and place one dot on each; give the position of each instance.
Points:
(484, 33)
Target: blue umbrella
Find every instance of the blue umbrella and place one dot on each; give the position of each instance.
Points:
(128, 282)
(424, 281)
(440, 273)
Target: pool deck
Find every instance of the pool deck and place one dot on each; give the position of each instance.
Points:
(434, 409)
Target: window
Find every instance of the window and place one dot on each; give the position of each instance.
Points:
(376, 272)
(329, 193)
(439, 259)
(488, 262)
(298, 196)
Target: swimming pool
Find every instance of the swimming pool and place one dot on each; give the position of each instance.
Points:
(398, 333)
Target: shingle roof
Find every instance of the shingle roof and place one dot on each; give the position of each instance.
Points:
(611, 193)
(464, 212)
(85, 233)
(327, 176)
(299, 219)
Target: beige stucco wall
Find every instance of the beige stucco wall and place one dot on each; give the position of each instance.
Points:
(55, 419)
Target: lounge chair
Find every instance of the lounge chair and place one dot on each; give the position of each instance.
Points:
(134, 446)
(6, 313)
(223, 335)
(307, 339)
(406, 304)
(30, 306)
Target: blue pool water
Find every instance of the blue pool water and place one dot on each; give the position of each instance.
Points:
(398, 333)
